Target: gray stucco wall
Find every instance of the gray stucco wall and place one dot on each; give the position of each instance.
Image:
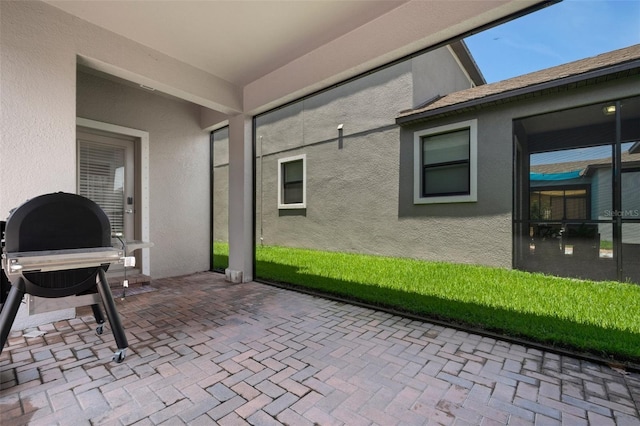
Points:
(178, 168)
(363, 105)
(435, 74)
(39, 48)
(475, 232)
(344, 209)
(367, 165)
(359, 198)
(481, 232)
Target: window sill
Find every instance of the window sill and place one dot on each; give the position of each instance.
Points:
(446, 199)
(297, 206)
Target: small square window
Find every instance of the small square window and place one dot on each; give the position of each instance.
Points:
(445, 164)
(292, 192)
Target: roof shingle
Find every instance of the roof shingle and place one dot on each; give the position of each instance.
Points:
(506, 88)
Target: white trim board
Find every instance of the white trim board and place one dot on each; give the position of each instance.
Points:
(144, 175)
(281, 161)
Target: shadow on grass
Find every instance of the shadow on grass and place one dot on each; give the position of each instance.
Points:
(559, 333)
(220, 262)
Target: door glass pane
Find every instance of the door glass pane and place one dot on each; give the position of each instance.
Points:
(540, 205)
(576, 207)
(101, 179)
(557, 207)
(559, 204)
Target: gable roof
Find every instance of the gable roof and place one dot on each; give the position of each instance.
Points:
(586, 167)
(611, 65)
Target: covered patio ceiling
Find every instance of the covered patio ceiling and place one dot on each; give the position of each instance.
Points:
(249, 56)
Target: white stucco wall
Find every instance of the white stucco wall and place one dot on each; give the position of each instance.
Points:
(178, 168)
(37, 103)
(38, 59)
(39, 48)
(37, 114)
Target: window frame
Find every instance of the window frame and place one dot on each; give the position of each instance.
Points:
(281, 163)
(418, 175)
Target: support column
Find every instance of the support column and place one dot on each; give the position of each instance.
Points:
(240, 199)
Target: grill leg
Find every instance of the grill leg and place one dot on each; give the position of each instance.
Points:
(112, 315)
(10, 310)
(97, 314)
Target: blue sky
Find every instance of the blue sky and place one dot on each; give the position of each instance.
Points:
(561, 33)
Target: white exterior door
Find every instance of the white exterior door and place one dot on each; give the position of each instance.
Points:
(106, 175)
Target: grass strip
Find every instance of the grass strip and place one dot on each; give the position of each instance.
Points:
(597, 317)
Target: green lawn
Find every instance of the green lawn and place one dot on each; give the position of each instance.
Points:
(598, 317)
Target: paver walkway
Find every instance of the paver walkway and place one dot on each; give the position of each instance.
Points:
(203, 351)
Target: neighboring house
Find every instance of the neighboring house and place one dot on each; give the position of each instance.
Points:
(517, 174)
(327, 166)
(557, 155)
(579, 190)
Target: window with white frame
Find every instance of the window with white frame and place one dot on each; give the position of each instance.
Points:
(292, 182)
(445, 164)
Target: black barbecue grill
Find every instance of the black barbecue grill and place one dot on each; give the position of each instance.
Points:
(59, 245)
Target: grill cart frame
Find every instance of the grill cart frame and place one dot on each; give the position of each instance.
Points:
(55, 246)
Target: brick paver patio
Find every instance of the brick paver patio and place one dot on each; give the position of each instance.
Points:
(203, 351)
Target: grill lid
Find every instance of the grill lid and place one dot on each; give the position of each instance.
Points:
(57, 221)
(54, 227)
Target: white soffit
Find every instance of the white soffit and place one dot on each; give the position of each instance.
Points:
(238, 41)
(276, 49)
(411, 27)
